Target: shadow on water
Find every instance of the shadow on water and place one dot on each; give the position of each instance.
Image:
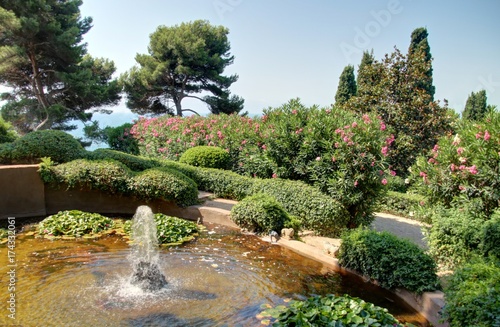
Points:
(166, 320)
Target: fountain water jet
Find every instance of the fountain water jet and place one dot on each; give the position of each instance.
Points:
(144, 256)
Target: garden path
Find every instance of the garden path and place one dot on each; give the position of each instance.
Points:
(402, 227)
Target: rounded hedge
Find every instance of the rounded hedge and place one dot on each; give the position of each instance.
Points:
(206, 156)
(260, 213)
(58, 145)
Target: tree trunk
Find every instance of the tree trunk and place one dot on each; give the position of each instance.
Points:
(39, 91)
(178, 106)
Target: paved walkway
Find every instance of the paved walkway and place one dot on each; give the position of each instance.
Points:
(402, 227)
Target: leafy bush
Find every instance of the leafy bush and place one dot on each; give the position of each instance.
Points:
(170, 230)
(6, 152)
(74, 223)
(58, 145)
(206, 156)
(490, 238)
(412, 206)
(120, 139)
(473, 296)
(464, 166)
(455, 235)
(7, 132)
(315, 210)
(133, 162)
(259, 213)
(392, 261)
(329, 310)
(164, 183)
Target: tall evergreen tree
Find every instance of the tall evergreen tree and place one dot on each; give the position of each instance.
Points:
(45, 66)
(418, 51)
(347, 86)
(364, 79)
(183, 61)
(475, 107)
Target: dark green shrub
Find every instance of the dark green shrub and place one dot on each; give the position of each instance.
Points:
(259, 213)
(58, 145)
(392, 261)
(206, 156)
(315, 210)
(170, 230)
(473, 296)
(330, 310)
(164, 183)
(120, 139)
(490, 242)
(107, 175)
(74, 223)
(6, 151)
(455, 235)
(396, 184)
(412, 206)
(7, 132)
(224, 184)
(133, 162)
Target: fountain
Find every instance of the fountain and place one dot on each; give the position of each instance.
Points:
(145, 255)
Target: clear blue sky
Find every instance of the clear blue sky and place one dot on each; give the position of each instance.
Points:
(289, 48)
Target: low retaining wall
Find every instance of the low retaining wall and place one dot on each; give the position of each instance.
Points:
(23, 194)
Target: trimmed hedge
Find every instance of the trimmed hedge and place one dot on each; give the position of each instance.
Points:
(260, 213)
(59, 146)
(314, 209)
(392, 261)
(114, 177)
(206, 156)
(136, 163)
(473, 296)
(412, 206)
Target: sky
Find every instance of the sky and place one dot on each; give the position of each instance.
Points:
(286, 49)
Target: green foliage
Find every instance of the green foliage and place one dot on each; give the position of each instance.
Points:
(475, 107)
(182, 61)
(314, 210)
(473, 296)
(7, 132)
(51, 78)
(117, 138)
(259, 213)
(170, 230)
(464, 166)
(6, 152)
(412, 206)
(133, 162)
(206, 156)
(392, 261)
(116, 178)
(490, 238)
(347, 86)
(419, 50)
(60, 146)
(3, 233)
(164, 183)
(329, 310)
(74, 223)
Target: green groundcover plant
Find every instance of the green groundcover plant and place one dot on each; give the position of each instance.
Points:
(74, 223)
(329, 310)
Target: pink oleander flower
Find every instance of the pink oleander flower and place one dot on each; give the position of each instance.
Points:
(431, 160)
(384, 150)
(460, 150)
(393, 173)
(461, 188)
(318, 158)
(436, 148)
(355, 183)
(479, 135)
(472, 169)
(384, 181)
(264, 147)
(453, 167)
(486, 135)
(337, 145)
(462, 160)
(346, 139)
(423, 174)
(354, 124)
(390, 139)
(366, 119)
(275, 176)
(382, 126)
(294, 112)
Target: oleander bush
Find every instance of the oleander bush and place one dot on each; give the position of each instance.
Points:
(314, 209)
(473, 295)
(206, 156)
(59, 146)
(260, 213)
(169, 230)
(164, 183)
(412, 206)
(464, 166)
(74, 223)
(490, 236)
(329, 310)
(392, 261)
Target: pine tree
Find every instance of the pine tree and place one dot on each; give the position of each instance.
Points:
(420, 51)
(347, 86)
(475, 107)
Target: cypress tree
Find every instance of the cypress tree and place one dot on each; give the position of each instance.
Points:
(475, 107)
(420, 50)
(347, 86)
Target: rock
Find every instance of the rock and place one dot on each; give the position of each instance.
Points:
(330, 249)
(287, 233)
